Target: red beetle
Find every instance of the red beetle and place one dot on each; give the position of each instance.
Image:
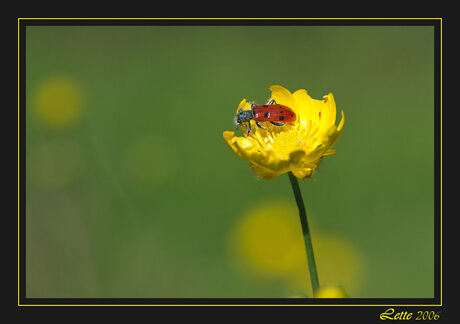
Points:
(271, 112)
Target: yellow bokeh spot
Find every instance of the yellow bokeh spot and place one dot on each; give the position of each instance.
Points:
(267, 243)
(330, 292)
(339, 262)
(58, 102)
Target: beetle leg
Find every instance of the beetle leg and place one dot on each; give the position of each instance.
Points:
(248, 128)
(258, 125)
(277, 124)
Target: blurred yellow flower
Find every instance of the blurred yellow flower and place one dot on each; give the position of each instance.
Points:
(267, 243)
(339, 263)
(330, 292)
(58, 102)
(297, 147)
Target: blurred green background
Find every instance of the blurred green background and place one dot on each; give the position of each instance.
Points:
(132, 192)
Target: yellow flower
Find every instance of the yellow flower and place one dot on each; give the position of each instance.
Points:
(330, 292)
(297, 147)
(59, 102)
(266, 243)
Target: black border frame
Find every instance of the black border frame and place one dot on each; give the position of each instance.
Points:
(399, 302)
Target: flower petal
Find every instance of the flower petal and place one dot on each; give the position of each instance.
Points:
(335, 137)
(263, 173)
(282, 96)
(244, 104)
(228, 135)
(277, 164)
(329, 152)
(342, 122)
(296, 156)
(303, 173)
(237, 144)
(305, 107)
(249, 149)
(328, 113)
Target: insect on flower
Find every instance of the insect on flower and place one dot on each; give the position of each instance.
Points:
(271, 112)
(298, 146)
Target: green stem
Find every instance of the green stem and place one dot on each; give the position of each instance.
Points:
(306, 232)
